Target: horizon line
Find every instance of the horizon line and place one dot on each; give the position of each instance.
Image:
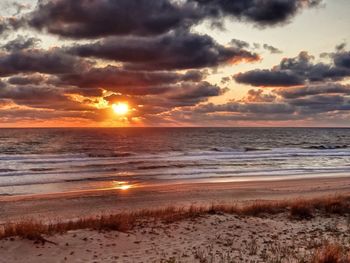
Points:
(175, 127)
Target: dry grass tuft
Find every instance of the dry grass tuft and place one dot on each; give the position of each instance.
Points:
(331, 253)
(260, 207)
(300, 209)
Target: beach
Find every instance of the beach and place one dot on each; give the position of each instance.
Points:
(86, 203)
(173, 195)
(218, 237)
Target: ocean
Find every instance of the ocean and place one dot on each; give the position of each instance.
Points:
(41, 161)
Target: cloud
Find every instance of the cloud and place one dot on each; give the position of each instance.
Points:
(239, 43)
(172, 96)
(26, 79)
(194, 93)
(130, 82)
(3, 27)
(40, 61)
(8, 24)
(260, 12)
(340, 47)
(95, 18)
(21, 43)
(342, 60)
(35, 96)
(148, 53)
(259, 96)
(176, 50)
(315, 108)
(272, 49)
(329, 88)
(299, 70)
(20, 7)
(321, 103)
(242, 107)
(270, 78)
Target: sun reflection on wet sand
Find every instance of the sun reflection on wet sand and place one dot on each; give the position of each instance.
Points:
(122, 185)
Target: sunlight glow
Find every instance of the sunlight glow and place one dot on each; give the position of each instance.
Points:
(120, 108)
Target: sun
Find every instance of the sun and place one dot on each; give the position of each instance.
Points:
(120, 108)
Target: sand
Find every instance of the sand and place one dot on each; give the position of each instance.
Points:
(87, 203)
(211, 238)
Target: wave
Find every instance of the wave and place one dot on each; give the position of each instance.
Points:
(244, 149)
(251, 149)
(41, 169)
(223, 149)
(6, 170)
(114, 154)
(326, 147)
(187, 165)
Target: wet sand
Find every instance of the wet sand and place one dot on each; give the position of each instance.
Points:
(88, 203)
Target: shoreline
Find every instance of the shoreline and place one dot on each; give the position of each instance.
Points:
(88, 203)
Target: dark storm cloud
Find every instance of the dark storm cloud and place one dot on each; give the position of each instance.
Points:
(33, 96)
(239, 43)
(297, 92)
(243, 44)
(194, 75)
(185, 94)
(42, 96)
(2, 84)
(261, 12)
(342, 59)
(299, 70)
(20, 43)
(259, 96)
(311, 108)
(176, 50)
(128, 81)
(37, 93)
(272, 49)
(3, 27)
(99, 18)
(96, 18)
(225, 80)
(40, 61)
(172, 96)
(194, 92)
(321, 103)
(340, 47)
(242, 107)
(269, 78)
(13, 115)
(8, 24)
(26, 79)
(303, 66)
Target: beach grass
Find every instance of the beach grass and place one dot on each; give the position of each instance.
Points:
(331, 253)
(298, 209)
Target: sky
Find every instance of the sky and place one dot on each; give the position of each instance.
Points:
(119, 63)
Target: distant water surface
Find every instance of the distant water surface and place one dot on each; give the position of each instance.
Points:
(59, 160)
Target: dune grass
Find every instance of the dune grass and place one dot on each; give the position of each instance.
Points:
(331, 253)
(298, 209)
